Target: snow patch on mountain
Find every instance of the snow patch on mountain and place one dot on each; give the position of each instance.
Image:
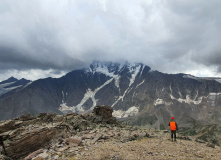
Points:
(11, 88)
(120, 98)
(65, 109)
(134, 71)
(89, 94)
(142, 70)
(161, 101)
(4, 90)
(190, 76)
(6, 84)
(188, 100)
(132, 111)
(28, 84)
(140, 83)
(218, 80)
(112, 70)
(110, 74)
(202, 78)
(64, 95)
(171, 91)
(106, 70)
(212, 97)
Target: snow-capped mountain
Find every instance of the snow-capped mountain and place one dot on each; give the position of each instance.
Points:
(12, 84)
(115, 75)
(134, 91)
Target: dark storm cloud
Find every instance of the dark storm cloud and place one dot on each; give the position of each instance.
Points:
(11, 58)
(171, 36)
(194, 28)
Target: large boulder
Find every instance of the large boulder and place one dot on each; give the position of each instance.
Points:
(103, 114)
(30, 142)
(104, 111)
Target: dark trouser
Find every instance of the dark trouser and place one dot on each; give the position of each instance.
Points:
(173, 134)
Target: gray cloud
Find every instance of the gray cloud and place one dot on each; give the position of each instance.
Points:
(62, 35)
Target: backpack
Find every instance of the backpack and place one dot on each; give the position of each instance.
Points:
(172, 125)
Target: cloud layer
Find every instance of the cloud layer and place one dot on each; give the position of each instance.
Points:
(47, 36)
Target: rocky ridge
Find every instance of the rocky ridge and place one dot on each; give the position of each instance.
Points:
(97, 135)
(51, 136)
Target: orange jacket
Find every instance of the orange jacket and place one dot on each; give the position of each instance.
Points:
(173, 126)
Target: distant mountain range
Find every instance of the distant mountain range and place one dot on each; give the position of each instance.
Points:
(135, 92)
(12, 84)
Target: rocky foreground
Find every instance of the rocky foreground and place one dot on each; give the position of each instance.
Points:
(93, 136)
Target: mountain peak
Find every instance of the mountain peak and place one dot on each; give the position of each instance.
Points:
(96, 65)
(9, 80)
(12, 78)
(107, 67)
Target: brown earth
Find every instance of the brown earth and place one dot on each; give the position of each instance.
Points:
(158, 147)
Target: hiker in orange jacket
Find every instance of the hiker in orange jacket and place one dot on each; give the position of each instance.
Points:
(173, 128)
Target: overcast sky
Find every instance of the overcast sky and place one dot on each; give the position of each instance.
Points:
(42, 38)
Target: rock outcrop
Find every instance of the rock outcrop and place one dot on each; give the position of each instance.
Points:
(52, 136)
